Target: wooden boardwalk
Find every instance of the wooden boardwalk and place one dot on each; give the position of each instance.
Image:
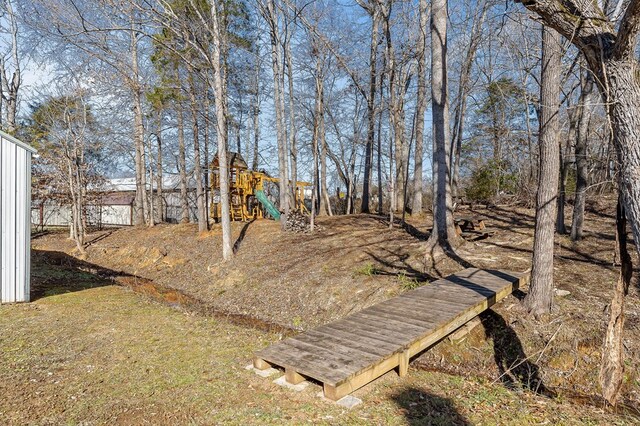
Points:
(349, 353)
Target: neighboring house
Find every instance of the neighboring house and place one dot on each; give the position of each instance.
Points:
(112, 204)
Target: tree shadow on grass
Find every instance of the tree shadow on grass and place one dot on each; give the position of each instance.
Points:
(55, 272)
(423, 408)
(516, 369)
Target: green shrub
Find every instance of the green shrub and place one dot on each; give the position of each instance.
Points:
(489, 180)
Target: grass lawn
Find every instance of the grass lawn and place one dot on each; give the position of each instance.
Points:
(106, 355)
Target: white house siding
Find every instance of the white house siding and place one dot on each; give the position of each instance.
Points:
(15, 211)
(52, 214)
(109, 215)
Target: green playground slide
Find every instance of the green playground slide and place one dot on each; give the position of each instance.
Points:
(268, 205)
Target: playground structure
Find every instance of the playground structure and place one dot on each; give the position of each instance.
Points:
(252, 194)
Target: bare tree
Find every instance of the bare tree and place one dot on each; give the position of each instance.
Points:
(398, 75)
(421, 106)
(539, 300)
(159, 100)
(10, 84)
(185, 216)
(63, 129)
(269, 11)
(109, 35)
(255, 107)
(443, 233)
(582, 165)
(373, 9)
(137, 91)
(221, 129)
(203, 222)
(293, 129)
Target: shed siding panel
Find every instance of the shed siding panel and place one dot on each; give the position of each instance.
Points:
(27, 226)
(21, 241)
(9, 221)
(15, 195)
(4, 207)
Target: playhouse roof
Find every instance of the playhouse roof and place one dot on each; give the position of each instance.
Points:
(235, 160)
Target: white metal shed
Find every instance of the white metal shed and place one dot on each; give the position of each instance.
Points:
(15, 214)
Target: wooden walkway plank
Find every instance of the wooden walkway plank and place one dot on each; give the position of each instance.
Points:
(355, 341)
(349, 353)
(425, 319)
(372, 330)
(390, 321)
(427, 305)
(337, 344)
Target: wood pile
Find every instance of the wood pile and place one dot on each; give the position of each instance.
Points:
(299, 222)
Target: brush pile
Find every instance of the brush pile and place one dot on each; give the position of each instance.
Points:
(299, 223)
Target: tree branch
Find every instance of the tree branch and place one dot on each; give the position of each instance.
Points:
(628, 32)
(581, 21)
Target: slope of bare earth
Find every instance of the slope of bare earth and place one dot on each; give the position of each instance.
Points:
(293, 280)
(298, 281)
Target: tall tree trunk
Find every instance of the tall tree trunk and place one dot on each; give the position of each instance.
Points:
(314, 192)
(276, 63)
(73, 176)
(315, 208)
(11, 86)
(141, 170)
(319, 141)
(151, 213)
(159, 174)
(207, 109)
(564, 150)
(351, 185)
(138, 133)
(323, 154)
(624, 85)
(293, 130)
(392, 198)
(255, 109)
(443, 233)
(421, 107)
(221, 127)
(539, 300)
(368, 154)
(200, 201)
(379, 151)
(396, 109)
(185, 217)
(582, 164)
